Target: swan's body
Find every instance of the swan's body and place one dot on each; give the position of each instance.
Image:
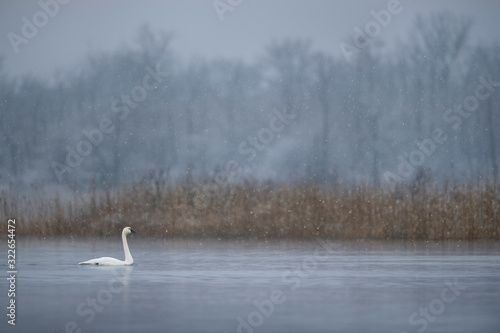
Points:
(108, 261)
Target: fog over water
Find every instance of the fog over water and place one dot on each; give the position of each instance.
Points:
(211, 286)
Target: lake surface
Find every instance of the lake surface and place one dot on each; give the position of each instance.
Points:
(275, 286)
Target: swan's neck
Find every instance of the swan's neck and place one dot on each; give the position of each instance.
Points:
(128, 257)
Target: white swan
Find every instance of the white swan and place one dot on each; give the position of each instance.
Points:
(108, 261)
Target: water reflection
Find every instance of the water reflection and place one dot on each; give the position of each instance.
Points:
(189, 286)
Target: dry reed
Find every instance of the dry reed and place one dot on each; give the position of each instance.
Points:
(262, 210)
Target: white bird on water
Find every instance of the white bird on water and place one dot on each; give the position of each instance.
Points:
(108, 261)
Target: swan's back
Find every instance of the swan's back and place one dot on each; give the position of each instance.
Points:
(104, 261)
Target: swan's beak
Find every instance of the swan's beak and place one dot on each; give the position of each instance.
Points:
(133, 231)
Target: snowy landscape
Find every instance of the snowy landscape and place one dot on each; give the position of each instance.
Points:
(280, 166)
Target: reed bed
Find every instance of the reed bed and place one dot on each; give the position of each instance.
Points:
(263, 211)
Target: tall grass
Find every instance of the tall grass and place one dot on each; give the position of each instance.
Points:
(262, 210)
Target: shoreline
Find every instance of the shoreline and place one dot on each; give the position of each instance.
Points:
(264, 212)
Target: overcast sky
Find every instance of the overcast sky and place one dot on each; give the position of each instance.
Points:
(84, 26)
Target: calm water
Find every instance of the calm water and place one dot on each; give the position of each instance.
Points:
(221, 286)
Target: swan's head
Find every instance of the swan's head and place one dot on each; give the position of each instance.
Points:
(128, 230)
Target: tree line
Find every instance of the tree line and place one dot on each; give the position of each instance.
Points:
(429, 106)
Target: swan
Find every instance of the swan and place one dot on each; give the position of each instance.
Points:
(108, 261)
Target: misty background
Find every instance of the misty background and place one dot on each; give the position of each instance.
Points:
(210, 114)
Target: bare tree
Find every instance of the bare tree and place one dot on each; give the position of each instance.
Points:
(289, 65)
(325, 76)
